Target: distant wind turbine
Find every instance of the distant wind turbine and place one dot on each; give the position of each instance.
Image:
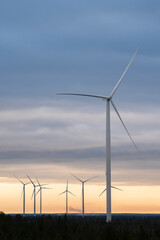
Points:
(23, 193)
(83, 182)
(111, 187)
(33, 194)
(109, 101)
(40, 191)
(67, 191)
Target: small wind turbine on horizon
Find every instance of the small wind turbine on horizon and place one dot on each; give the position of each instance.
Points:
(83, 182)
(23, 193)
(67, 191)
(33, 194)
(40, 191)
(111, 187)
(109, 102)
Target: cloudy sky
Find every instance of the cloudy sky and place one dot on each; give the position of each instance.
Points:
(79, 46)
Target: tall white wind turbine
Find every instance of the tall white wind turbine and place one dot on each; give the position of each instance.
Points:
(66, 192)
(40, 191)
(24, 194)
(83, 182)
(109, 101)
(33, 194)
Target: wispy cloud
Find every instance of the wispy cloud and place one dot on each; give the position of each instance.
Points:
(74, 209)
(49, 128)
(73, 138)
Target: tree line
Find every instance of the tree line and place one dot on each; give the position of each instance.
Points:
(76, 228)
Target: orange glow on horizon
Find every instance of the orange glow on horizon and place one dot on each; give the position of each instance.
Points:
(133, 199)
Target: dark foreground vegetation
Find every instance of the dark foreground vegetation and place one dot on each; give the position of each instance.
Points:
(75, 228)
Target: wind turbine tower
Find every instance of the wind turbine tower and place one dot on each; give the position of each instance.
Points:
(24, 194)
(83, 182)
(109, 101)
(66, 192)
(40, 191)
(33, 194)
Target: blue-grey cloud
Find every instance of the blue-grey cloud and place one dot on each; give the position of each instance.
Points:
(53, 46)
(148, 159)
(75, 45)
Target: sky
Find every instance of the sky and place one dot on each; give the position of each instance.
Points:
(56, 46)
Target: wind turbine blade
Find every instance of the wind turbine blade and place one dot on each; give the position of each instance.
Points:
(32, 194)
(90, 179)
(44, 184)
(77, 178)
(72, 194)
(31, 180)
(21, 193)
(102, 192)
(116, 188)
(18, 179)
(83, 95)
(111, 187)
(27, 183)
(38, 191)
(38, 181)
(46, 188)
(120, 80)
(124, 125)
(61, 193)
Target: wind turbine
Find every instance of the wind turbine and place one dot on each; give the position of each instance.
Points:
(40, 191)
(67, 191)
(83, 182)
(23, 193)
(109, 101)
(33, 194)
(111, 187)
